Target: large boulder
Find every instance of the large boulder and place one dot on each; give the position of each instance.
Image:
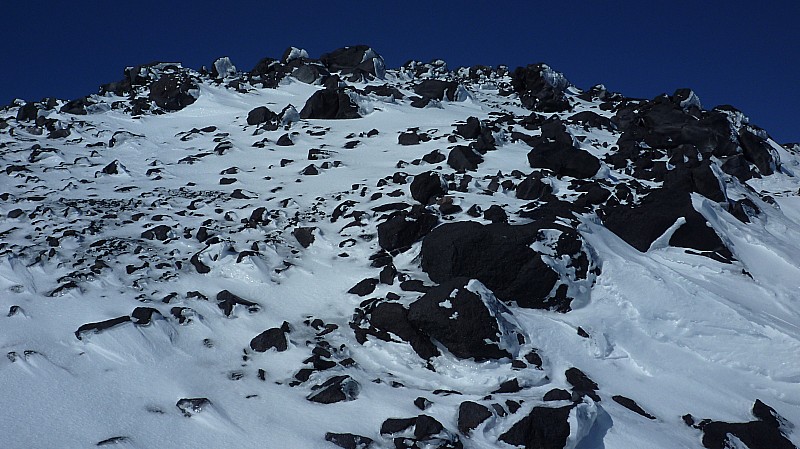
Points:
(641, 224)
(498, 255)
(357, 59)
(403, 229)
(172, 92)
(766, 432)
(427, 186)
(329, 104)
(437, 90)
(557, 152)
(388, 319)
(335, 389)
(463, 159)
(540, 88)
(467, 319)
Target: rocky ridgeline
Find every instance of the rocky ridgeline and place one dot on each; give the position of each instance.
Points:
(635, 166)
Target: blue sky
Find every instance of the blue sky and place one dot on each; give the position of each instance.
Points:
(746, 54)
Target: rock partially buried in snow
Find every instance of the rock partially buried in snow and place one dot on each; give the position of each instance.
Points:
(335, 389)
(330, 104)
(468, 320)
(192, 406)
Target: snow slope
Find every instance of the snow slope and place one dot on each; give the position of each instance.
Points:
(675, 330)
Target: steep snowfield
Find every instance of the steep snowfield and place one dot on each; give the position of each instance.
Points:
(676, 331)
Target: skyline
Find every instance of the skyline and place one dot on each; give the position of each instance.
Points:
(734, 55)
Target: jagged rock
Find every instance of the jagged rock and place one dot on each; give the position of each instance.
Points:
(557, 152)
(471, 415)
(364, 287)
(349, 440)
(172, 92)
(227, 300)
(498, 255)
(544, 428)
(557, 394)
(401, 231)
(100, 326)
(392, 317)
(354, 60)
(160, 232)
(437, 90)
(495, 214)
(758, 152)
(260, 115)
(463, 159)
(304, 235)
(469, 130)
(631, 405)
(270, 338)
(532, 187)
(329, 104)
(540, 88)
(640, 225)
(764, 433)
(142, 316)
(427, 186)
(467, 319)
(335, 389)
(581, 383)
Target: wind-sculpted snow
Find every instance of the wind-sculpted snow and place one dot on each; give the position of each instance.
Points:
(332, 253)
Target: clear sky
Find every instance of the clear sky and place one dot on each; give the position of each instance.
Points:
(742, 53)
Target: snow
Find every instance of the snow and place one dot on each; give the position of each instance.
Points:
(677, 332)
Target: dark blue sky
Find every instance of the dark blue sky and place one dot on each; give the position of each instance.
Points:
(742, 53)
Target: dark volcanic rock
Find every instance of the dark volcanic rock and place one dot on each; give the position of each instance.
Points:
(160, 232)
(466, 318)
(227, 300)
(349, 440)
(495, 214)
(498, 255)
(393, 317)
(355, 59)
(335, 389)
(142, 316)
(304, 235)
(471, 415)
(427, 186)
(757, 151)
(463, 159)
(270, 338)
(557, 394)
(364, 287)
(469, 130)
(640, 225)
(540, 88)
(100, 326)
(329, 104)
(171, 92)
(260, 115)
(631, 405)
(532, 187)
(764, 433)
(544, 428)
(401, 231)
(557, 152)
(582, 385)
(437, 89)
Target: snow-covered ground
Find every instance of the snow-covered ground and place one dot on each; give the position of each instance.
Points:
(678, 332)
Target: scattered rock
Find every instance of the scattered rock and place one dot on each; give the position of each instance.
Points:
(335, 389)
(471, 415)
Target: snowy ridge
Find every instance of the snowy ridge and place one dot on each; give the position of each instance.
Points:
(331, 253)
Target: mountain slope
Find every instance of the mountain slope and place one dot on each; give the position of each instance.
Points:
(326, 252)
